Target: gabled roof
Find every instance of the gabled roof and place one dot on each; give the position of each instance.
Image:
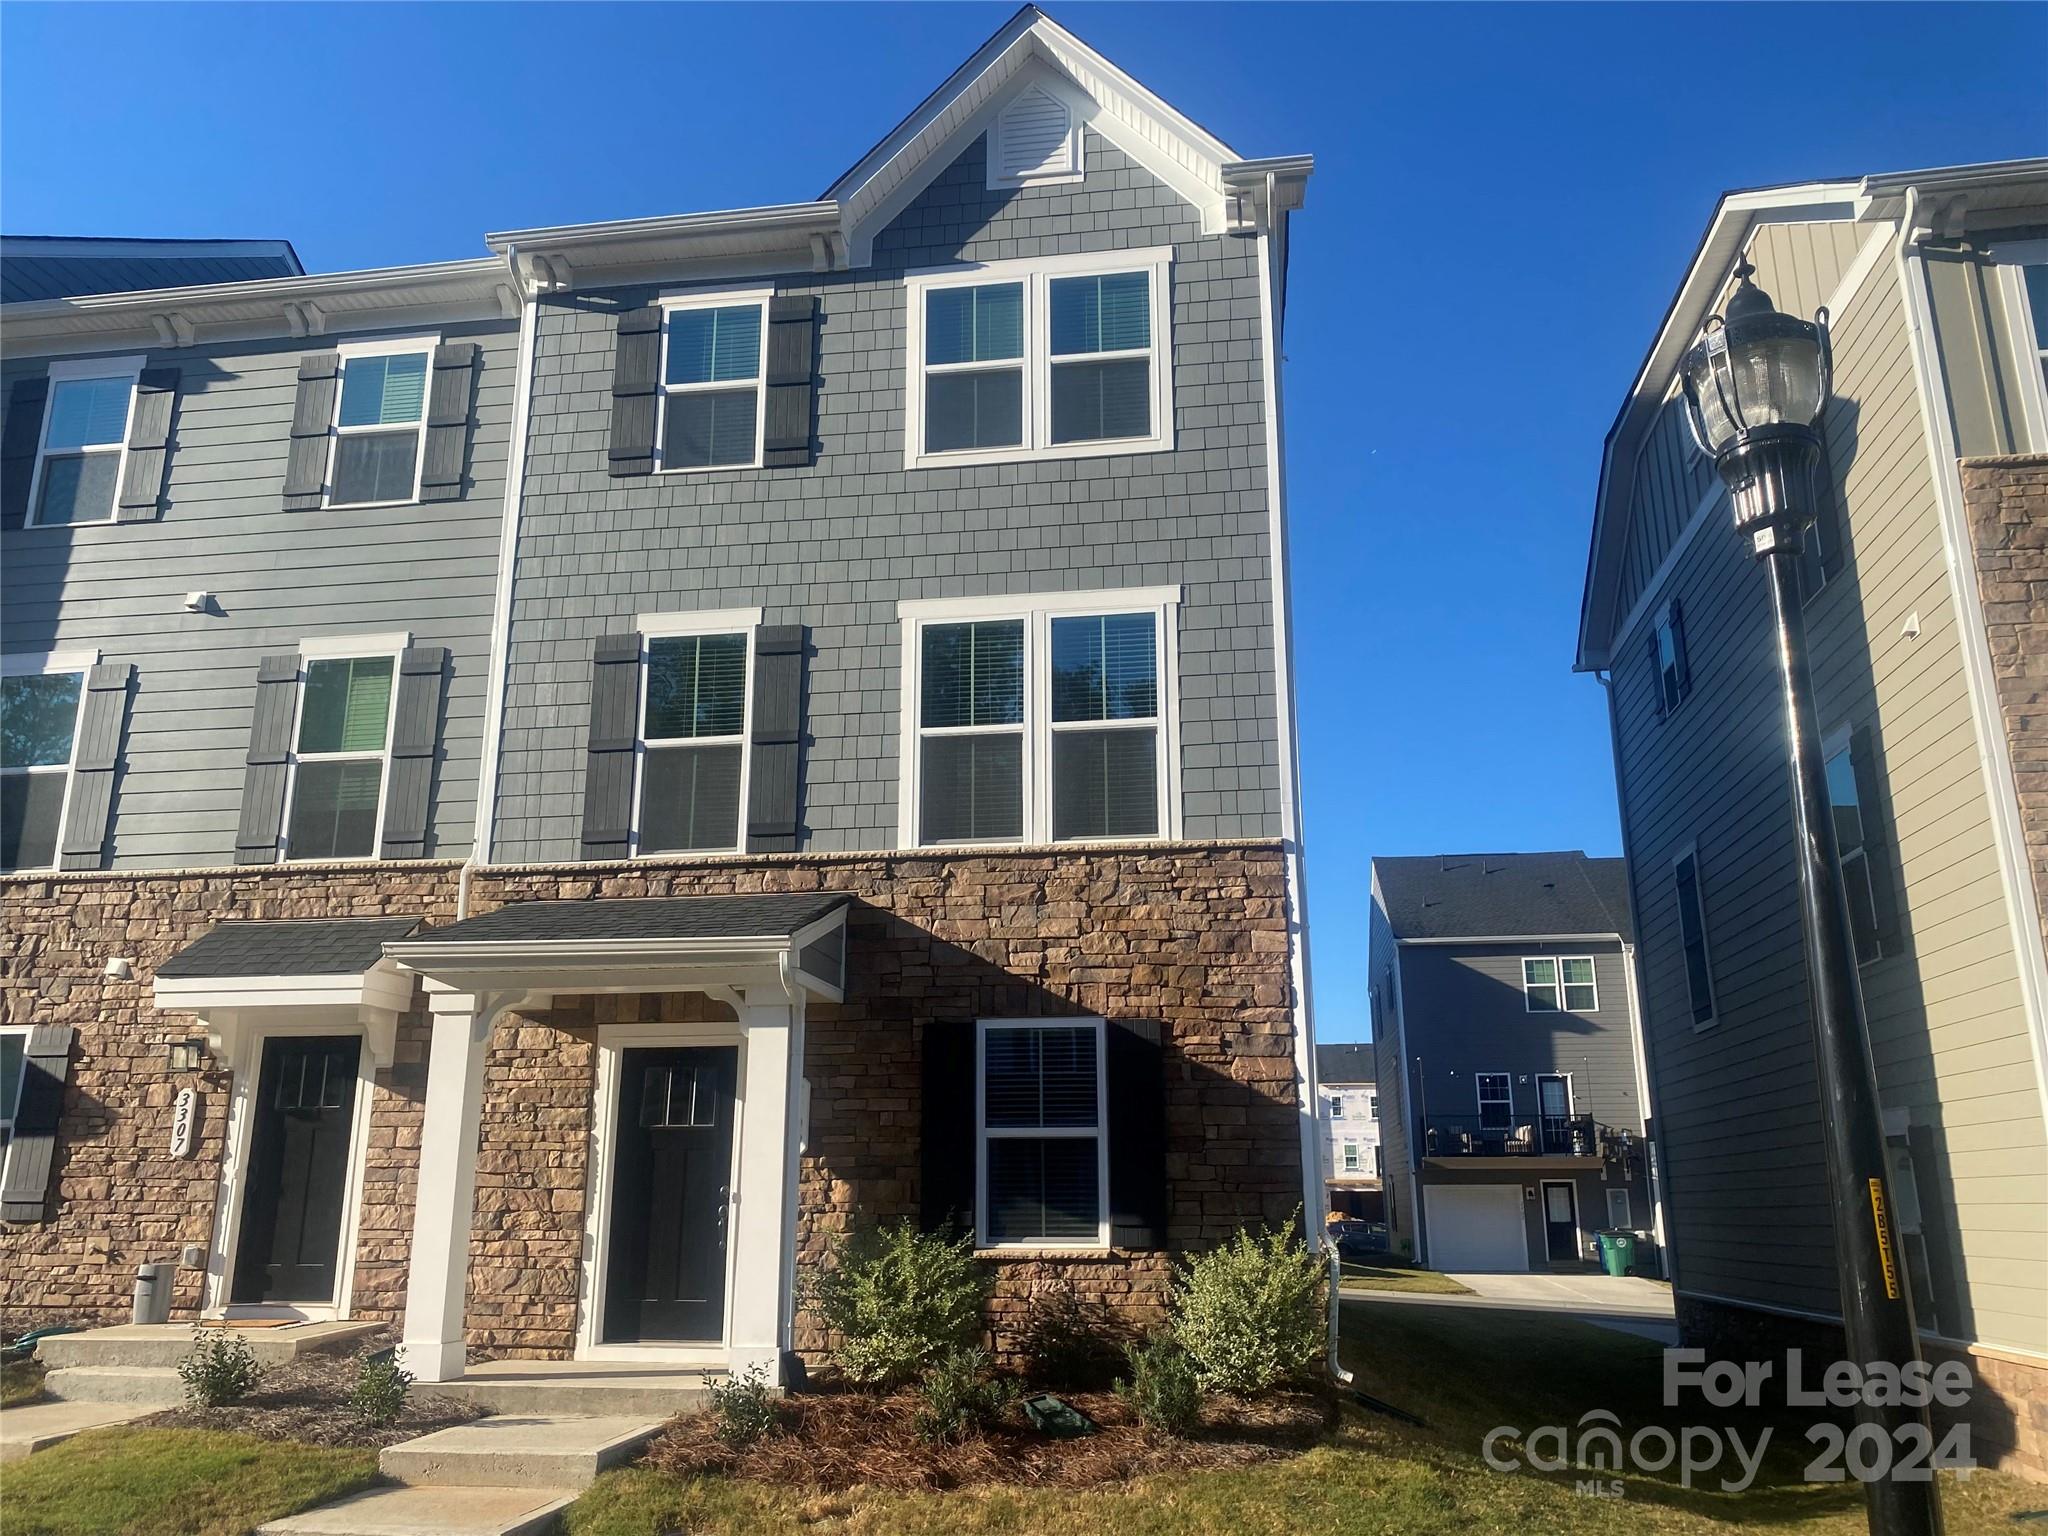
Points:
(1504, 895)
(61, 266)
(1338, 1064)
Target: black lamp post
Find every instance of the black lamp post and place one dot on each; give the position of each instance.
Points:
(1755, 384)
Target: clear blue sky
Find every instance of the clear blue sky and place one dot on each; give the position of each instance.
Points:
(1504, 200)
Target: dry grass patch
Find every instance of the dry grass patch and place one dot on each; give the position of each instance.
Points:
(307, 1400)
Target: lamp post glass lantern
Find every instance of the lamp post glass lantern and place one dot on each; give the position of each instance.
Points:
(1756, 383)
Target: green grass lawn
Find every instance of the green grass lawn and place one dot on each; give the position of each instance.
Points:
(156, 1482)
(1393, 1273)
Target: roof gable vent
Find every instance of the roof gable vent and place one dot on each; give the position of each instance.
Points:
(1036, 138)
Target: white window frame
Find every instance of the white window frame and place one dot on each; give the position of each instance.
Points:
(46, 664)
(983, 1132)
(10, 1093)
(2012, 260)
(80, 370)
(1480, 1100)
(1529, 987)
(342, 648)
(683, 626)
(1699, 889)
(711, 298)
(1336, 1106)
(1036, 276)
(1350, 1159)
(1037, 612)
(385, 346)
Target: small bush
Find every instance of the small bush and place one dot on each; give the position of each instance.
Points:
(1070, 1346)
(1251, 1311)
(899, 1299)
(961, 1398)
(742, 1412)
(221, 1368)
(378, 1397)
(1162, 1391)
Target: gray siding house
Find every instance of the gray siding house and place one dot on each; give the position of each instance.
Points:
(614, 763)
(1513, 1109)
(1926, 637)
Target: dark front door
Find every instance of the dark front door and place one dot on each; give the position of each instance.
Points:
(1561, 1222)
(671, 1176)
(298, 1170)
(1554, 1100)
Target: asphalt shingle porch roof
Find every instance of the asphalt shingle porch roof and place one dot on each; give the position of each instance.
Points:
(345, 946)
(644, 917)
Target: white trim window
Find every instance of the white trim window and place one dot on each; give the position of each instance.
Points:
(42, 699)
(84, 445)
(1040, 719)
(714, 348)
(1059, 358)
(380, 422)
(13, 1064)
(1692, 937)
(1559, 983)
(1496, 1097)
(2023, 276)
(1041, 1105)
(696, 696)
(341, 747)
(1351, 1162)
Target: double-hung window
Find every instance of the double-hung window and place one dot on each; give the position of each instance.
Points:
(1553, 984)
(1496, 1100)
(1041, 1100)
(380, 420)
(85, 435)
(713, 351)
(1848, 797)
(1058, 358)
(1337, 1106)
(1692, 938)
(2023, 276)
(1351, 1157)
(40, 701)
(341, 747)
(1043, 719)
(1668, 656)
(693, 733)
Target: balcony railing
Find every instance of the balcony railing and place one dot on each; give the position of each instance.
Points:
(1518, 1136)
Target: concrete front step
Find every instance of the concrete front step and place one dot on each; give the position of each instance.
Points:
(33, 1427)
(165, 1344)
(432, 1512)
(513, 1451)
(141, 1385)
(589, 1389)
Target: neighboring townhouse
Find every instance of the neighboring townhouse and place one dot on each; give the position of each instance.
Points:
(1514, 1113)
(858, 782)
(1930, 660)
(1348, 1107)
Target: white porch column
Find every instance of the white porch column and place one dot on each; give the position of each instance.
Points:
(764, 1204)
(437, 1285)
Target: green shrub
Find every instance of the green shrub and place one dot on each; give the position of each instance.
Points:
(899, 1299)
(742, 1412)
(961, 1397)
(1251, 1312)
(1070, 1346)
(221, 1368)
(1162, 1390)
(378, 1397)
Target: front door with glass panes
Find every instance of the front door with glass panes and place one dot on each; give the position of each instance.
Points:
(289, 1247)
(337, 787)
(38, 723)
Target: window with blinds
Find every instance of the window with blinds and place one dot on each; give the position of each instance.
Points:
(971, 732)
(380, 417)
(337, 769)
(974, 367)
(693, 743)
(711, 375)
(1105, 726)
(1044, 1158)
(1101, 357)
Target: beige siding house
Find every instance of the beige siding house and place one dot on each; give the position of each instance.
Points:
(1927, 612)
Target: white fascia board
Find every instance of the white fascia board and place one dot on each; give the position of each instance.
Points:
(1516, 938)
(379, 987)
(728, 221)
(1116, 600)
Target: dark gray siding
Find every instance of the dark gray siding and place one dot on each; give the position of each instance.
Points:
(276, 577)
(1396, 1114)
(836, 545)
(26, 276)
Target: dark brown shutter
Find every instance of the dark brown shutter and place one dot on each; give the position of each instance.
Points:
(447, 444)
(305, 472)
(46, 1065)
(92, 771)
(635, 368)
(270, 751)
(149, 446)
(792, 339)
(777, 736)
(947, 1133)
(1137, 1134)
(614, 733)
(19, 440)
(1877, 842)
(415, 736)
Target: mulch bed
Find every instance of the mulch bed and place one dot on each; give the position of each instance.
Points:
(835, 1440)
(307, 1399)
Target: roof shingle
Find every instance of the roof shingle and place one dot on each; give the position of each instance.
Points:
(319, 947)
(646, 917)
(1504, 895)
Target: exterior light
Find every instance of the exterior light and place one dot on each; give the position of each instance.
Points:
(188, 1055)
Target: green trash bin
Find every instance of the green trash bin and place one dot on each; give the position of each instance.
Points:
(1617, 1251)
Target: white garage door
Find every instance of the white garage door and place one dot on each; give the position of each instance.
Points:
(1476, 1227)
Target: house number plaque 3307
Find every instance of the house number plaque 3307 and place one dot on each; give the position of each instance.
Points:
(184, 1122)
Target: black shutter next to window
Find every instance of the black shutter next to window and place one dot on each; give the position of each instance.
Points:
(1137, 1134)
(46, 1066)
(305, 472)
(270, 750)
(1877, 842)
(415, 736)
(19, 440)
(947, 1133)
(92, 769)
(792, 390)
(447, 444)
(614, 733)
(1656, 673)
(776, 732)
(1683, 664)
(149, 446)
(635, 370)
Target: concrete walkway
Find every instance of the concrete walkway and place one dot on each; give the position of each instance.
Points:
(1623, 1303)
(35, 1427)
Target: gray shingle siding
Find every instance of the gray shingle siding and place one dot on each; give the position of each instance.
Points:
(835, 546)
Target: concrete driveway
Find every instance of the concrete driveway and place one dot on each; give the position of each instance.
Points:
(1621, 1302)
